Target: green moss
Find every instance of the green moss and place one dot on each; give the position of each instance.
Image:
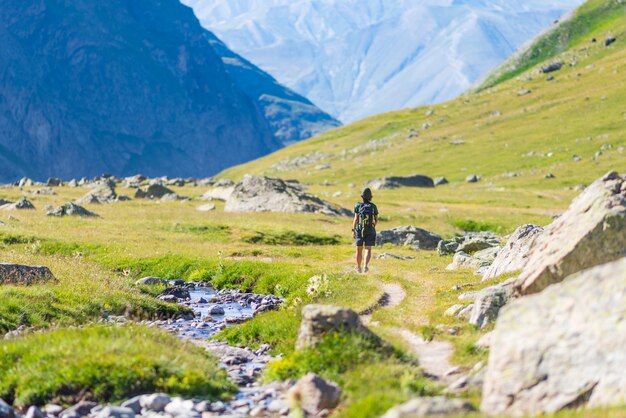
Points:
(108, 363)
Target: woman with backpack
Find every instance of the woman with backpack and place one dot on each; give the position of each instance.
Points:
(364, 229)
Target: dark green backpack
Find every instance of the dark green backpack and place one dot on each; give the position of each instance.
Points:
(366, 219)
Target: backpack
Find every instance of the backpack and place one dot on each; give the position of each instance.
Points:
(366, 219)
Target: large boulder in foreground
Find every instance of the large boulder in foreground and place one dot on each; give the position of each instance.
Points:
(22, 204)
(410, 236)
(72, 209)
(319, 320)
(416, 180)
(514, 254)
(25, 275)
(561, 348)
(591, 232)
(267, 194)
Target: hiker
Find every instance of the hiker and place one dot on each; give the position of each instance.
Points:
(364, 229)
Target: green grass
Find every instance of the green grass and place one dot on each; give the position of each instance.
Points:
(291, 238)
(105, 364)
(469, 225)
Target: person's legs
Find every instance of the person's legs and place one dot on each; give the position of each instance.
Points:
(368, 257)
(359, 257)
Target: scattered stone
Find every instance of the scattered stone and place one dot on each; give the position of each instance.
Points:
(514, 254)
(591, 232)
(610, 41)
(172, 197)
(454, 310)
(45, 191)
(472, 178)
(524, 92)
(115, 412)
(218, 193)
(437, 406)
(33, 412)
(489, 302)
(72, 183)
(440, 181)
(206, 208)
(72, 209)
(561, 348)
(266, 194)
(81, 409)
(317, 320)
(384, 256)
(179, 407)
(176, 292)
(5, 410)
(549, 176)
(54, 182)
(155, 402)
(153, 191)
(457, 142)
(103, 193)
(150, 281)
(551, 67)
(53, 409)
(576, 158)
(16, 274)
(25, 182)
(133, 403)
(314, 394)
(478, 260)
(416, 180)
(216, 310)
(410, 236)
(22, 204)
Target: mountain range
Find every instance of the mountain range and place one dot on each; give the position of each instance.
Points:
(129, 86)
(357, 58)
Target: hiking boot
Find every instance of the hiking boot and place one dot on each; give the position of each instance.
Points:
(357, 269)
(366, 269)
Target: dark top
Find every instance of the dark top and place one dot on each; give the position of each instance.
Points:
(357, 210)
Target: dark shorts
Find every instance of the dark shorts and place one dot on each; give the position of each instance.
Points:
(367, 241)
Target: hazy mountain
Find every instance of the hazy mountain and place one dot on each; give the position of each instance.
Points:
(356, 58)
(127, 86)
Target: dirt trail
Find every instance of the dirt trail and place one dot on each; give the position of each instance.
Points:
(393, 295)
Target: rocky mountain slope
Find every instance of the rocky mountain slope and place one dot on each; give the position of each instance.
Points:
(519, 133)
(359, 58)
(127, 87)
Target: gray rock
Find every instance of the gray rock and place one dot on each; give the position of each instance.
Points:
(53, 409)
(103, 193)
(5, 410)
(172, 197)
(384, 256)
(266, 194)
(216, 310)
(206, 208)
(54, 182)
(473, 178)
(469, 243)
(410, 236)
(72, 183)
(440, 181)
(610, 41)
(16, 274)
(115, 412)
(514, 254)
(314, 394)
(416, 180)
(45, 191)
(153, 191)
(591, 232)
(150, 281)
(179, 407)
(454, 310)
(33, 412)
(25, 182)
(81, 409)
(133, 403)
(561, 348)
(551, 67)
(219, 193)
(155, 402)
(437, 406)
(72, 209)
(466, 312)
(489, 302)
(22, 204)
(476, 261)
(318, 320)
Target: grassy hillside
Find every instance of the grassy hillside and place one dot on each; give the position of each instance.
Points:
(511, 140)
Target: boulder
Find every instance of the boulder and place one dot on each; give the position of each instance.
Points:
(416, 180)
(115, 412)
(477, 261)
(71, 209)
(150, 281)
(410, 236)
(318, 320)
(591, 232)
(54, 182)
(469, 243)
(172, 197)
(5, 410)
(25, 182)
(209, 207)
(22, 204)
(44, 191)
(153, 191)
(562, 347)
(81, 409)
(16, 274)
(266, 194)
(473, 178)
(551, 67)
(514, 254)
(155, 402)
(104, 192)
(314, 394)
(440, 181)
(34, 412)
(488, 303)
(436, 406)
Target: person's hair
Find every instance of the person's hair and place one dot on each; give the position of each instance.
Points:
(367, 195)
(366, 200)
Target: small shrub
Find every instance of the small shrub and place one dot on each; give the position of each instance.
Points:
(469, 225)
(291, 238)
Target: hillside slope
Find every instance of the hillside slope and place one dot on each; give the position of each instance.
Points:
(357, 58)
(569, 123)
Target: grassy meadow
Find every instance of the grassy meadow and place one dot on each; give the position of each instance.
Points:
(512, 140)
